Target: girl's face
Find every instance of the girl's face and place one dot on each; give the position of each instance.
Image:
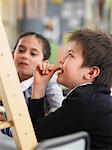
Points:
(72, 70)
(27, 55)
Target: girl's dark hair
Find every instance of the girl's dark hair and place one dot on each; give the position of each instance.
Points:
(45, 43)
(97, 51)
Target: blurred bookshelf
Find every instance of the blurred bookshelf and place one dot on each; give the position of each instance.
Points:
(66, 15)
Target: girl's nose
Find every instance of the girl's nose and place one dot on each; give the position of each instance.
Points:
(24, 55)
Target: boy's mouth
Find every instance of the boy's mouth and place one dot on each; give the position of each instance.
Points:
(61, 70)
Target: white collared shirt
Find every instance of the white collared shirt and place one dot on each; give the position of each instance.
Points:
(26, 84)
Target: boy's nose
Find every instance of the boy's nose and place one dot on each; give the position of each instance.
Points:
(63, 59)
(61, 62)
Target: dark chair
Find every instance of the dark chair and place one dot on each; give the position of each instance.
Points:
(76, 141)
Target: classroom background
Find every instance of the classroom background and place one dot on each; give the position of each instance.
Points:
(54, 18)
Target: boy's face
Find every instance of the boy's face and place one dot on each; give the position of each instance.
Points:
(72, 72)
(27, 55)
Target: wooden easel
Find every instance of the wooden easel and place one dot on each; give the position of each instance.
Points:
(13, 99)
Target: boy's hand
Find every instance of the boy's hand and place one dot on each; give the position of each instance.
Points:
(42, 75)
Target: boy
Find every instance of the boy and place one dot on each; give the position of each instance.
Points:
(87, 72)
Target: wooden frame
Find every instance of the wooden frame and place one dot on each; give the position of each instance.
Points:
(13, 99)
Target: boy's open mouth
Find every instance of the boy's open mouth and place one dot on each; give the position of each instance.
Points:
(60, 70)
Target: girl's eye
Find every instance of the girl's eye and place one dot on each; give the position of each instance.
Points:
(20, 50)
(33, 54)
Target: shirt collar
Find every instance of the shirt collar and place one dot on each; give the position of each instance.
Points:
(26, 84)
(78, 86)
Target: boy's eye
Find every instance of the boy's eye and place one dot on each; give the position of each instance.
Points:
(70, 54)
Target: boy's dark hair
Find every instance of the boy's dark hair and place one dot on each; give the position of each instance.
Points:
(45, 43)
(97, 51)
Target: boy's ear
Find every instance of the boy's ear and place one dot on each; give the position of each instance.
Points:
(92, 73)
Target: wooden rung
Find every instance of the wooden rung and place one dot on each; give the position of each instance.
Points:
(5, 124)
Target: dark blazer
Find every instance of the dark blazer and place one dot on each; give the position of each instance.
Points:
(86, 108)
